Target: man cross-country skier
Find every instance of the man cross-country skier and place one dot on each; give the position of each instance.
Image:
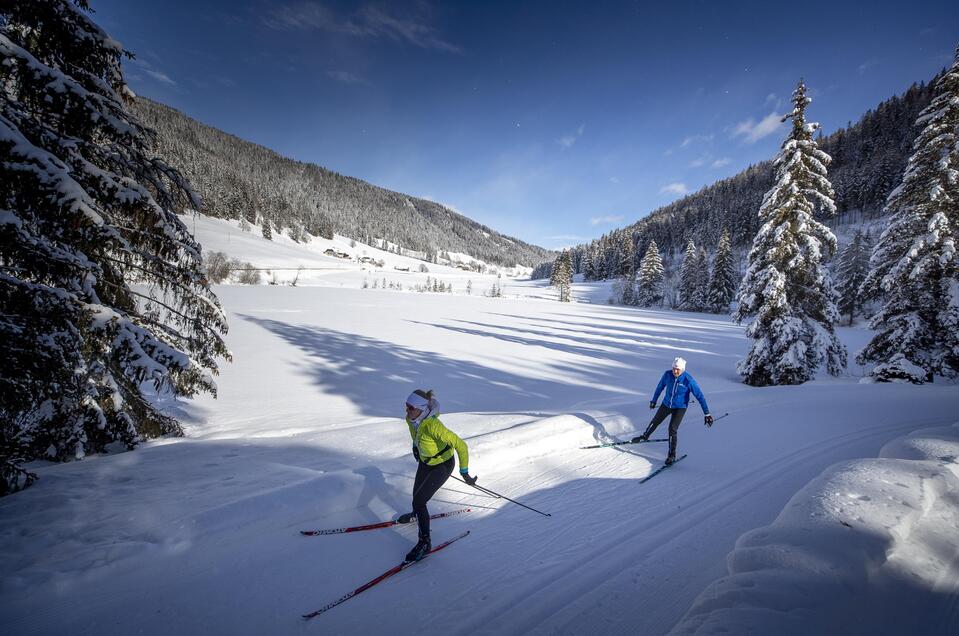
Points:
(678, 385)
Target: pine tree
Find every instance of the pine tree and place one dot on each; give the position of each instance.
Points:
(689, 278)
(852, 268)
(626, 254)
(563, 275)
(85, 211)
(787, 292)
(701, 291)
(914, 262)
(651, 275)
(589, 263)
(722, 282)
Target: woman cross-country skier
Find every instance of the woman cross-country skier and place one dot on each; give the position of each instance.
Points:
(433, 446)
(678, 385)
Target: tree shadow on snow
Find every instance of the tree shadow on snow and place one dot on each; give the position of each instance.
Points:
(376, 374)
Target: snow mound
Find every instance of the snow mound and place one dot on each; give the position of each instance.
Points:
(868, 547)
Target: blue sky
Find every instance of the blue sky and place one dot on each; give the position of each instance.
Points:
(550, 121)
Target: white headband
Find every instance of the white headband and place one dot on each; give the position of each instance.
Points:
(418, 401)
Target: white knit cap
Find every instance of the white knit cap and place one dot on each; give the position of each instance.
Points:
(418, 401)
(680, 364)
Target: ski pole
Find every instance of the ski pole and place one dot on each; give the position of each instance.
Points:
(716, 419)
(488, 491)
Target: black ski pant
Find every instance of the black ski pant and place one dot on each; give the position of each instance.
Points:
(428, 480)
(675, 419)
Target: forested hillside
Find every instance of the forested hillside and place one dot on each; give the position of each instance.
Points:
(868, 158)
(237, 179)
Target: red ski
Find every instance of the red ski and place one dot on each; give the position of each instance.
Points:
(382, 577)
(374, 526)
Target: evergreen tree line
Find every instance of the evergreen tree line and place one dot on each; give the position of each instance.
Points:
(237, 179)
(868, 159)
(787, 297)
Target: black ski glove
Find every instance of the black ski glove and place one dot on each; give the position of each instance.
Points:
(470, 480)
(416, 453)
(709, 421)
(652, 405)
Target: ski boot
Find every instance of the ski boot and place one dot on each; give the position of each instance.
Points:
(420, 550)
(670, 459)
(406, 517)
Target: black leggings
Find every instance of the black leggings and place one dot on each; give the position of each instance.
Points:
(674, 422)
(429, 479)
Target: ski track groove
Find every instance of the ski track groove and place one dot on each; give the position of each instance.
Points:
(628, 533)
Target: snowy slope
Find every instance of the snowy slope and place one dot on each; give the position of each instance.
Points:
(199, 535)
(283, 257)
(869, 547)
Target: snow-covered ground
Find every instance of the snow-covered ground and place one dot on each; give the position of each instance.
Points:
(200, 534)
(281, 259)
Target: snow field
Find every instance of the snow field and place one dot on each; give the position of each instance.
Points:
(868, 547)
(200, 534)
(283, 256)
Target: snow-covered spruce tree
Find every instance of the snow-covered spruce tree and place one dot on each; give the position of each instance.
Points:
(651, 275)
(688, 278)
(722, 281)
(563, 276)
(627, 254)
(86, 211)
(787, 294)
(589, 264)
(851, 271)
(701, 291)
(914, 264)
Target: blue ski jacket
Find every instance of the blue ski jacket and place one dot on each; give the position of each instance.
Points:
(678, 390)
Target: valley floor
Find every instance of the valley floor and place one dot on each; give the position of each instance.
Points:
(200, 534)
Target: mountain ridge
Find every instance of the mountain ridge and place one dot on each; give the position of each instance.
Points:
(240, 179)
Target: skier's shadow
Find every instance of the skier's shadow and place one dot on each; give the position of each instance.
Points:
(375, 486)
(600, 434)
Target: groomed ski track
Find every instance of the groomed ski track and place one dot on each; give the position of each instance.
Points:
(200, 535)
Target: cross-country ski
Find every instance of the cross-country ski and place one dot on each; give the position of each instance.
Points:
(272, 273)
(661, 469)
(376, 526)
(382, 577)
(641, 441)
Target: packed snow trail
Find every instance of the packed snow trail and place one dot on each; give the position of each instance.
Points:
(200, 534)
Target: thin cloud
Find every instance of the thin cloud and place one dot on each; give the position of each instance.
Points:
(347, 78)
(596, 220)
(695, 139)
(153, 72)
(719, 163)
(674, 188)
(752, 130)
(160, 76)
(370, 21)
(865, 66)
(566, 237)
(614, 179)
(696, 163)
(567, 141)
